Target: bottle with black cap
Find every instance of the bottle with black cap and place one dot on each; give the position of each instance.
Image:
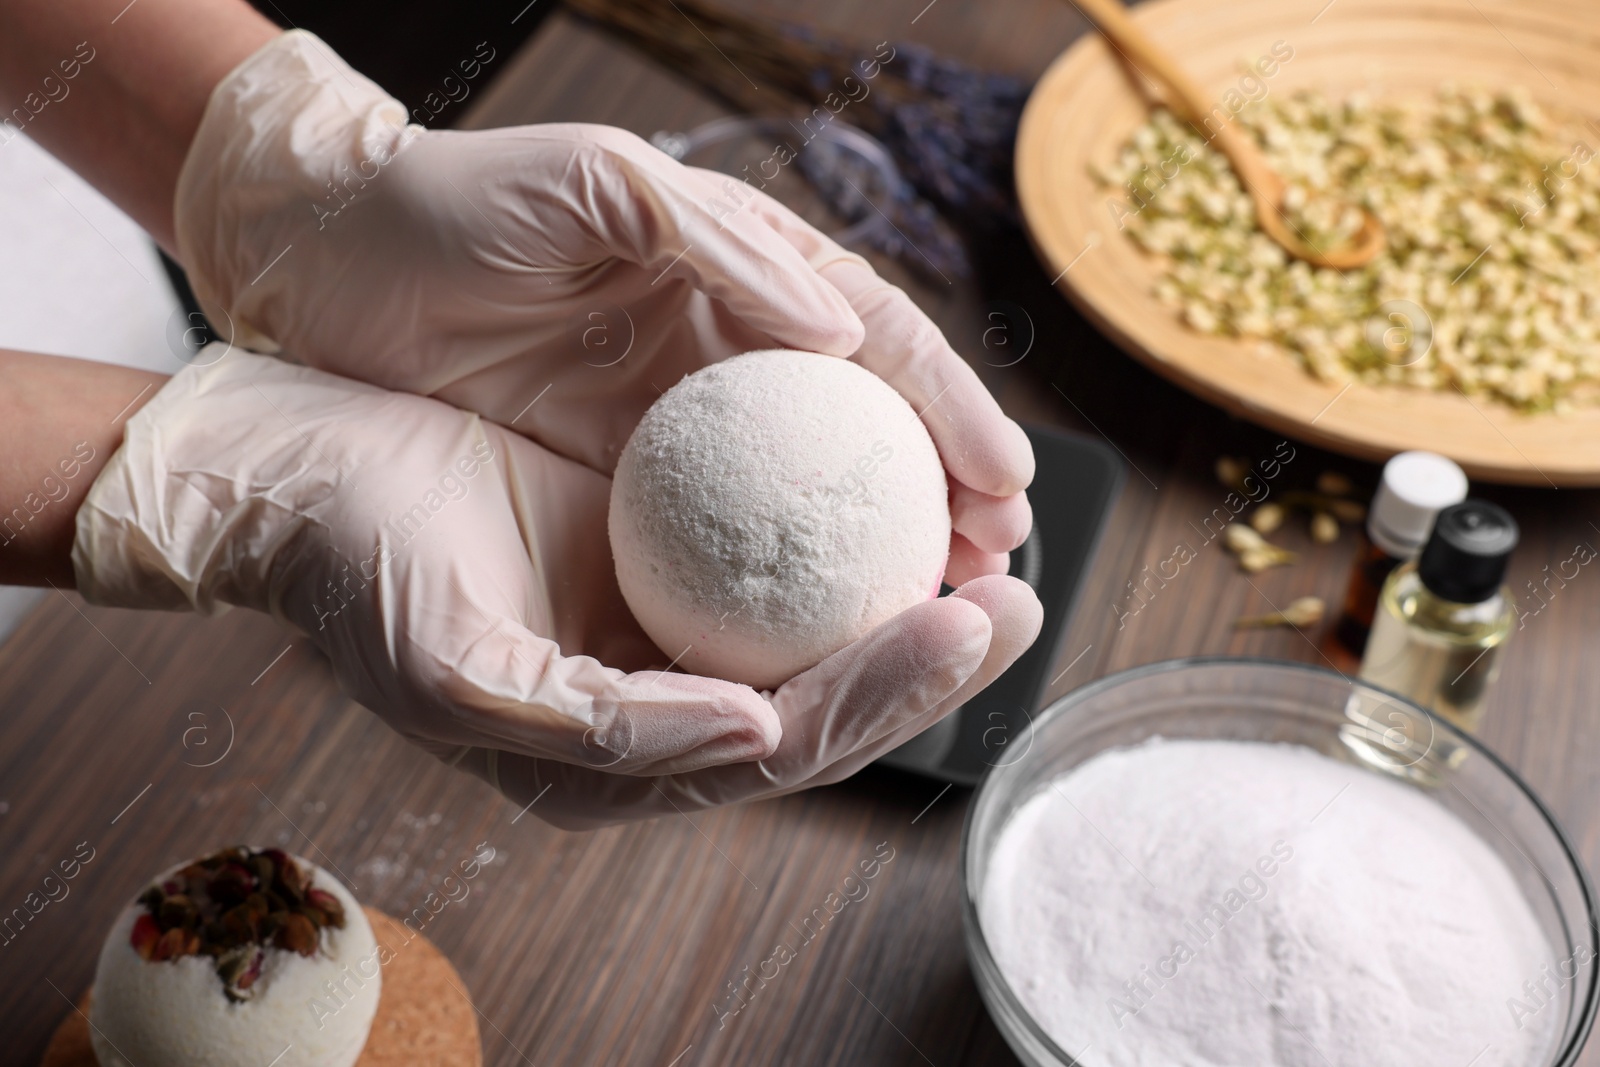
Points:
(1442, 621)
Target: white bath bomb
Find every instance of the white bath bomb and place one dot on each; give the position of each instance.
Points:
(772, 508)
(302, 1011)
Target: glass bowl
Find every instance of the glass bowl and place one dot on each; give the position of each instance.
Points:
(1263, 700)
(745, 147)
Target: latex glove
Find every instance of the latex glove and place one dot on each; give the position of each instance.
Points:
(554, 278)
(452, 573)
(837, 717)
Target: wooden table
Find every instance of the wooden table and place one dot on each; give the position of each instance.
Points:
(617, 947)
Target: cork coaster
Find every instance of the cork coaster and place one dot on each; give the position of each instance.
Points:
(424, 1018)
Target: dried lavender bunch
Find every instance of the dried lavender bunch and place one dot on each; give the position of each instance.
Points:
(950, 128)
(955, 141)
(914, 232)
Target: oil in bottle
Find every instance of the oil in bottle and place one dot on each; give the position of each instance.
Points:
(1442, 622)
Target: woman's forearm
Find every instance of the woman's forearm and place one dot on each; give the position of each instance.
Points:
(60, 420)
(115, 89)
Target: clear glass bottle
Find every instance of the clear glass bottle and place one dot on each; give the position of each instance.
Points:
(1442, 621)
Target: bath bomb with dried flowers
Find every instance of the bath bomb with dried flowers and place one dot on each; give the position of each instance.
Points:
(227, 962)
(771, 509)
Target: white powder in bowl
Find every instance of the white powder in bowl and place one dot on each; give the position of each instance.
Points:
(1223, 904)
(770, 509)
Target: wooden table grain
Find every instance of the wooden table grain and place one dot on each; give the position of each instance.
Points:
(142, 739)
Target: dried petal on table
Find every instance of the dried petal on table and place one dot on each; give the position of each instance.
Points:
(1231, 470)
(1302, 611)
(1267, 518)
(1334, 484)
(1255, 552)
(1324, 528)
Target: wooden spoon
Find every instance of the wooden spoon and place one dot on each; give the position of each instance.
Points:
(1265, 186)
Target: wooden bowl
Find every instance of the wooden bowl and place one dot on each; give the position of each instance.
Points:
(1089, 102)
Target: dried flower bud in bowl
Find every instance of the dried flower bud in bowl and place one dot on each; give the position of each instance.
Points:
(226, 962)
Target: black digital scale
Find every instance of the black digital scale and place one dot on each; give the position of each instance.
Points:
(1075, 484)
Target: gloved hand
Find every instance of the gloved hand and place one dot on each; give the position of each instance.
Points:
(555, 279)
(837, 717)
(458, 577)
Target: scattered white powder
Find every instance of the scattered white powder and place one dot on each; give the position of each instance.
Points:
(1234, 904)
(772, 508)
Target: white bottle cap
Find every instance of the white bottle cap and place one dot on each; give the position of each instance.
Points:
(1415, 487)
